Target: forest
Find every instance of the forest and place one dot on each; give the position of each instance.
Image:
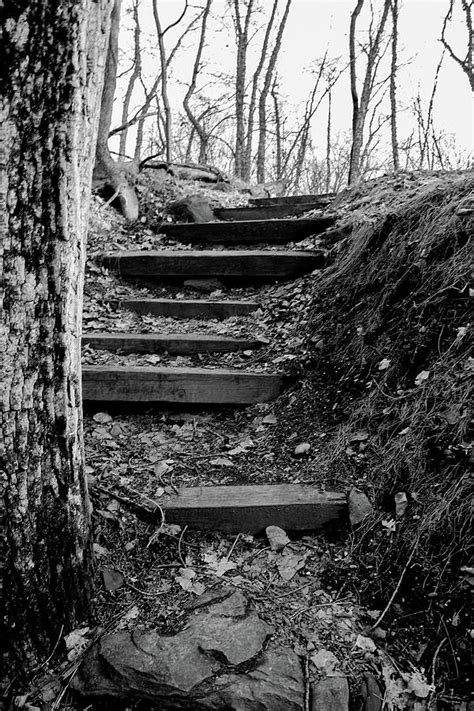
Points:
(235, 354)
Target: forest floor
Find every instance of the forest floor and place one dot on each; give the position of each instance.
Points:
(341, 598)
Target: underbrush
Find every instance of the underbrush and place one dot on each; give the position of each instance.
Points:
(392, 314)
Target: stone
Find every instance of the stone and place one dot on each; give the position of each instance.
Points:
(205, 285)
(302, 450)
(330, 694)
(370, 694)
(359, 506)
(182, 668)
(277, 538)
(191, 209)
(112, 579)
(325, 662)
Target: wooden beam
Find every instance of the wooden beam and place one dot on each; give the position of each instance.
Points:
(244, 264)
(271, 212)
(182, 343)
(186, 308)
(251, 509)
(322, 200)
(247, 232)
(184, 385)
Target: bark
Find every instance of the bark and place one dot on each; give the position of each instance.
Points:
(278, 134)
(242, 34)
(360, 107)
(164, 83)
(136, 73)
(108, 172)
(49, 108)
(328, 141)
(393, 86)
(262, 125)
(247, 159)
(196, 124)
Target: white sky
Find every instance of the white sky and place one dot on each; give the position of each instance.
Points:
(315, 25)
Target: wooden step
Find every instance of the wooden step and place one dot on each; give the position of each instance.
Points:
(321, 200)
(247, 232)
(186, 308)
(183, 385)
(271, 212)
(245, 264)
(182, 343)
(250, 509)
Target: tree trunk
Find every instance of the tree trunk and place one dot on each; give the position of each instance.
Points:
(393, 86)
(262, 113)
(49, 110)
(136, 74)
(164, 84)
(242, 32)
(106, 170)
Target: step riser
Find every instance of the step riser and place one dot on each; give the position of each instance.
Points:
(321, 200)
(236, 264)
(250, 232)
(177, 385)
(177, 344)
(250, 509)
(271, 212)
(181, 309)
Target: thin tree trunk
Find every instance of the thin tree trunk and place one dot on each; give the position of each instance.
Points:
(328, 142)
(247, 160)
(164, 85)
(49, 126)
(242, 32)
(199, 129)
(393, 86)
(262, 126)
(137, 68)
(278, 136)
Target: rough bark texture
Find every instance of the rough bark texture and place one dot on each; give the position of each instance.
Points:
(242, 36)
(49, 109)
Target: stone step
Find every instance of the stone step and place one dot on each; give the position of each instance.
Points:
(271, 212)
(247, 231)
(250, 509)
(182, 385)
(176, 343)
(242, 264)
(321, 200)
(189, 308)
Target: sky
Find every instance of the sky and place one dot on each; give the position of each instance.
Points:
(316, 25)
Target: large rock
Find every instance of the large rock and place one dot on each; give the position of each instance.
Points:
(330, 694)
(217, 661)
(191, 209)
(359, 506)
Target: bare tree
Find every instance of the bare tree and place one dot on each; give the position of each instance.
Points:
(196, 122)
(49, 127)
(393, 85)
(134, 76)
(241, 25)
(262, 125)
(467, 62)
(360, 106)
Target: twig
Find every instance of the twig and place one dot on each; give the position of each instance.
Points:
(397, 588)
(180, 541)
(306, 683)
(435, 658)
(233, 546)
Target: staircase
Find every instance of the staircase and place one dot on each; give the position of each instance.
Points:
(250, 508)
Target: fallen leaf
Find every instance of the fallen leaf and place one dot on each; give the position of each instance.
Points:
(401, 503)
(422, 377)
(384, 364)
(365, 643)
(186, 580)
(289, 562)
(112, 579)
(269, 420)
(219, 566)
(221, 462)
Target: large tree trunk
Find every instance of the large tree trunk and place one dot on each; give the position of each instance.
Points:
(49, 109)
(108, 172)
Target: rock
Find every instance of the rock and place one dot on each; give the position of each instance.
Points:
(181, 668)
(401, 503)
(330, 694)
(359, 506)
(370, 694)
(191, 209)
(112, 579)
(277, 538)
(207, 285)
(302, 450)
(221, 187)
(325, 661)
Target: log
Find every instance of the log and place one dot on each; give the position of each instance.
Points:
(245, 264)
(269, 212)
(247, 231)
(176, 343)
(183, 385)
(322, 199)
(187, 308)
(251, 509)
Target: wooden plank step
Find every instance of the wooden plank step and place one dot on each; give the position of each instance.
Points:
(183, 385)
(247, 231)
(269, 212)
(250, 509)
(182, 343)
(187, 308)
(321, 200)
(246, 264)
